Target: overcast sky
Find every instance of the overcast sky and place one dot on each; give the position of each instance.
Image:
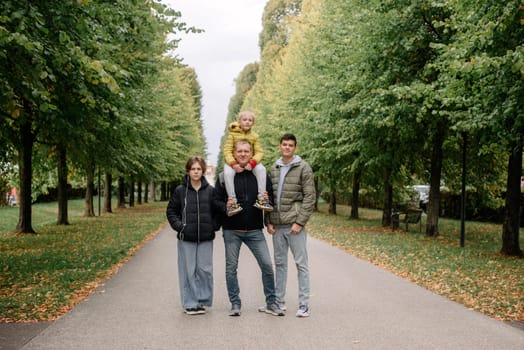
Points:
(229, 43)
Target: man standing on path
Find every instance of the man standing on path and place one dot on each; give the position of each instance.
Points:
(294, 186)
(246, 227)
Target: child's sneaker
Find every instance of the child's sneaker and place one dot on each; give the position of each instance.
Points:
(233, 209)
(264, 205)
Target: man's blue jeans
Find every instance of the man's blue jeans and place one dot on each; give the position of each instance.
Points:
(256, 242)
(283, 241)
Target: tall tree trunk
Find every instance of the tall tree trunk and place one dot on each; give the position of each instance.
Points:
(89, 210)
(317, 193)
(388, 198)
(25, 170)
(332, 209)
(333, 202)
(107, 193)
(433, 208)
(163, 191)
(510, 226)
(355, 194)
(121, 192)
(153, 191)
(62, 186)
(146, 192)
(131, 192)
(139, 192)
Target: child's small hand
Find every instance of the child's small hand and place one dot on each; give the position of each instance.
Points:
(248, 167)
(237, 168)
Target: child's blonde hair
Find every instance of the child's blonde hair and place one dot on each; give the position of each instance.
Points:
(243, 113)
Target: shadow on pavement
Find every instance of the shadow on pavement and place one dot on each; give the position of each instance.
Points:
(14, 336)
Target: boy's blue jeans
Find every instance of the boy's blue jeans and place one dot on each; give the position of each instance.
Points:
(256, 242)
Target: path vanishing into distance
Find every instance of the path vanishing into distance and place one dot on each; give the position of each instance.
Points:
(354, 305)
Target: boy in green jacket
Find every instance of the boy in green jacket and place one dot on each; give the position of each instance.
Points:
(295, 197)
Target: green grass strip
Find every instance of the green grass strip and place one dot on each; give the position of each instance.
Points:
(44, 275)
(476, 276)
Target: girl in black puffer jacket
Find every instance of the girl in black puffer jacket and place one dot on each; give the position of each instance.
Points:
(191, 212)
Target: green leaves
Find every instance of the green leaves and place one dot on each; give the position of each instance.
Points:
(84, 75)
(388, 79)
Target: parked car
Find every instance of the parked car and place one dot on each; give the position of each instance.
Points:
(421, 195)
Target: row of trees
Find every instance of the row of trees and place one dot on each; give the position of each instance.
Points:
(387, 93)
(86, 85)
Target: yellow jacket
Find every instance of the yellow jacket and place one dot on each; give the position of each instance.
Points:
(236, 134)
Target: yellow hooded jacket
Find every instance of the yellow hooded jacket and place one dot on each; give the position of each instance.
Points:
(236, 134)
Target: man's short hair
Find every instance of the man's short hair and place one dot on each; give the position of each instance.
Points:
(243, 141)
(288, 137)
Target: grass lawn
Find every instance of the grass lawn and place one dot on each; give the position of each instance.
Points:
(476, 275)
(44, 275)
(43, 214)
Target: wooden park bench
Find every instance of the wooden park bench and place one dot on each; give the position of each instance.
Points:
(413, 216)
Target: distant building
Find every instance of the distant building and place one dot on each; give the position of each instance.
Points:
(210, 174)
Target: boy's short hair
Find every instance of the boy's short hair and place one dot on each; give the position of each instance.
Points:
(196, 159)
(288, 137)
(242, 113)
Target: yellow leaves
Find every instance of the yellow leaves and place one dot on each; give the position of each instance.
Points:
(96, 65)
(101, 76)
(16, 113)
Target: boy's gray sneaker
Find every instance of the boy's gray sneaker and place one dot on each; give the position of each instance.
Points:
(235, 310)
(272, 309)
(303, 311)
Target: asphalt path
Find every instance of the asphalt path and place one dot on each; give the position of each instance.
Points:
(354, 305)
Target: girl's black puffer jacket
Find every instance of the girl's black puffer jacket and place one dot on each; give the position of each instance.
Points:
(192, 214)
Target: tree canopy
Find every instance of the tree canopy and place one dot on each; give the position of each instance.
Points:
(91, 82)
(387, 94)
